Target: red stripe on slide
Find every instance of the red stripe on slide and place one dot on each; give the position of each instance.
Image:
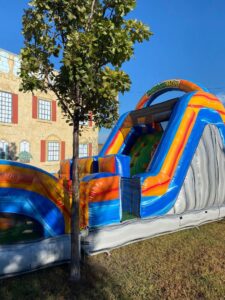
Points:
(206, 96)
(154, 186)
(196, 106)
(221, 112)
(201, 106)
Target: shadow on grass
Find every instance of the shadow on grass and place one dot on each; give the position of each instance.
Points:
(53, 283)
(97, 283)
(184, 265)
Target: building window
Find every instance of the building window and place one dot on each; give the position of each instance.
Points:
(16, 66)
(4, 62)
(53, 151)
(83, 123)
(24, 146)
(5, 107)
(83, 150)
(24, 155)
(44, 110)
(87, 122)
(4, 149)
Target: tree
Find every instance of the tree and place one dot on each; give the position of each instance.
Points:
(87, 42)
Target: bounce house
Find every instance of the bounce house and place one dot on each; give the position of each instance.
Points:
(161, 169)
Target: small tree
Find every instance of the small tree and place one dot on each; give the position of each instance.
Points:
(87, 42)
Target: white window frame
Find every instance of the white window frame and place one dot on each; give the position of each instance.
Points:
(4, 147)
(83, 150)
(44, 110)
(6, 104)
(24, 146)
(53, 150)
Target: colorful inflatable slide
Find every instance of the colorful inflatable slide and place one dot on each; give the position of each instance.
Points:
(161, 169)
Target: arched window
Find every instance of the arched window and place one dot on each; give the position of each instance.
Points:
(24, 146)
(24, 154)
(4, 149)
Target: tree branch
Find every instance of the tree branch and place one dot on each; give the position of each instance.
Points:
(91, 15)
(52, 87)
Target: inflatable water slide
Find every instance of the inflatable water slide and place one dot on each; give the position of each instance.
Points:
(161, 169)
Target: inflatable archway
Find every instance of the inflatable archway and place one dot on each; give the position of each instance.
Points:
(166, 86)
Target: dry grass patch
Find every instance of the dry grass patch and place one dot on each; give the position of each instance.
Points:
(185, 265)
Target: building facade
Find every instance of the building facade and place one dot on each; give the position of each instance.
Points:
(32, 127)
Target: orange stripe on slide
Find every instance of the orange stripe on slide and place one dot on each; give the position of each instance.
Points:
(156, 185)
(182, 144)
(117, 141)
(113, 141)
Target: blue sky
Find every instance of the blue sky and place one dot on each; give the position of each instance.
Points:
(188, 43)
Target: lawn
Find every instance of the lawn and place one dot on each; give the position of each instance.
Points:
(189, 264)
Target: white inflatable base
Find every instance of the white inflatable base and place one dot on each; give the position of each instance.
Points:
(106, 238)
(26, 257)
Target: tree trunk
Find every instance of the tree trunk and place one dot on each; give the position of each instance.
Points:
(75, 224)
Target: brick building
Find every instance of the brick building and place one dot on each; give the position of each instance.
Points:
(32, 128)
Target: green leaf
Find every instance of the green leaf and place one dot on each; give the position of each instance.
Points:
(88, 48)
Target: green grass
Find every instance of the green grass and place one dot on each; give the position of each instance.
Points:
(185, 265)
(128, 216)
